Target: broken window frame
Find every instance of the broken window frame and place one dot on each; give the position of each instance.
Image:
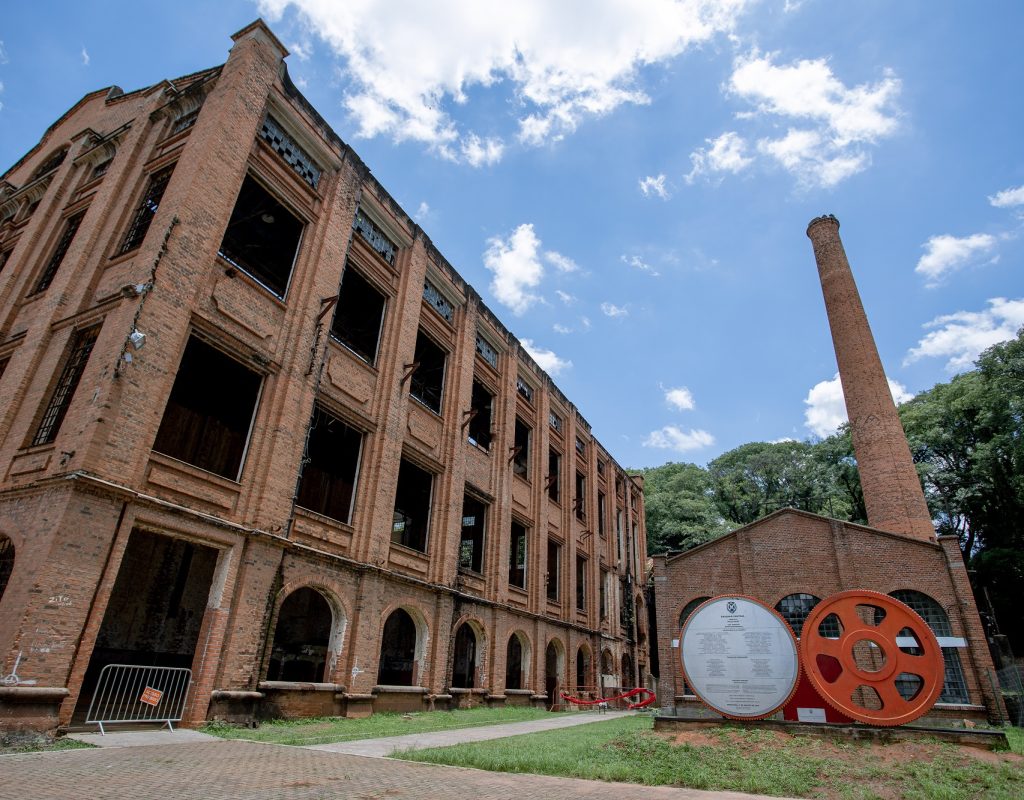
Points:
(481, 411)
(554, 479)
(79, 349)
(146, 211)
(426, 384)
(371, 233)
(580, 501)
(472, 559)
(524, 390)
(434, 298)
(290, 151)
(554, 570)
(350, 307)
(67, 236)
(193, 429)
(517, 555)
(486, 351)
(521, 449)
(337, 481)
(581, 582)
(246, 245)
(414, 533)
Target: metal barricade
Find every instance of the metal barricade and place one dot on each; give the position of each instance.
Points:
(133, 693)
(1011, 683)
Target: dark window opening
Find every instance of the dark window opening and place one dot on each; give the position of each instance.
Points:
(580, 503)
(581, 583)
(332, 461)
(78, 356)
(100, 169)
(301, 638)
(954, 686)
(6, 563)
(398, 650)
(514, 663)
(471, 543)
(480, 416)
(521, 450)
(517, 556)
(525, 390)
(210, 411)
(185, 121)
(603, 594)
(627, 672)
(412, 507)
(51, 163)
(582, 668)
(3, 365)
(554, 560)
(601, 514)
(147, 209)
(581, 448)
(427, 382)
(66, 237)
(359, 315)
(262, 237)
(796, 608)
(464, 666)
(554, 471)
(4, 257)
(600, 467)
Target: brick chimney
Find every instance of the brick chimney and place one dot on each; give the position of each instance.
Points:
(892, 492)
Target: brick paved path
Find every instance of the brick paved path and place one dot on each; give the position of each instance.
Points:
(226, 770)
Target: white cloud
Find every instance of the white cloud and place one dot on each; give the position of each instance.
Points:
(945, 254)
(516, 268)
(960, 337)
(560, 262)
(1008, 198)
(408, 66)
(725, 154)
(85, 57)
(482, 152)
(680, 398)
(829, 125)
(3, 53)
(673, 438)
(546, 359)
(781, 440)
(826, 407)
(565, 297)
(638, 263)
(585, 323)
(654, 185)
(612, 310)
(559, 328)
(301, 50)
(422, 212)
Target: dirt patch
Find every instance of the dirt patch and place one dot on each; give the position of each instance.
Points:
(693, 738)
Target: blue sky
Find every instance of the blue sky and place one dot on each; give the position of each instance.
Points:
(628, 183)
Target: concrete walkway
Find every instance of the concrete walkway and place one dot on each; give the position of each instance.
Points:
(380, 748)
(137, 738)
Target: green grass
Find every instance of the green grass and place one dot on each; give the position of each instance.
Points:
(1016, 739)
(324, 730)
(43, 746)
(743, 760)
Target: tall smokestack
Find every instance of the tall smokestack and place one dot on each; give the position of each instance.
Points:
(892, 492)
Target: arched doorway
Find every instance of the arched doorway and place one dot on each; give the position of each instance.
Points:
(302, 638)
(464, 666)
(583, 668)
(628, 681)
(515, 662)
(553, 660)
(398, 650)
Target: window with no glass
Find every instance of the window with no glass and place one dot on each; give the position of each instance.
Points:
(210, 410)
(74, 365)
(412, 507)
(329, 476)
(554, 467)
(600, 513)
(471, 543)
(262, 237)
(147, 209)
(603, 592)
(359, 315)
(521, 450)
(427, 382)
(480, 416)
(517, 556)
(554, 561)
(581, 582)
(580, 503)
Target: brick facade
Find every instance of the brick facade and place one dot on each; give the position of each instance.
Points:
(76, 506)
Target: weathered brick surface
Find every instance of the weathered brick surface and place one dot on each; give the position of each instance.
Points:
(70, 507)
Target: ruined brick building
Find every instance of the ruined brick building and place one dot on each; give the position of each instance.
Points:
(254, 424)
(792, 560)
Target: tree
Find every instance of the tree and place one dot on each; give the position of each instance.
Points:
(680, 508)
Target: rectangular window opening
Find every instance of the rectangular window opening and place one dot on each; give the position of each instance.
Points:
(78, 356)
(517, 556)
(603, 592)
(147, 209)
(328, 478)
(601, 514)
(581, 583)
(525, 390)
(580, 503)
(554, 470)
(554, 561)
(210, 411)
(427, 382)
(359, 315)
(66, 237)
(555, 421)
(480, 416)
(262, 237)
(374, 236)
(471, 543)
(521, 450)
(411, 519)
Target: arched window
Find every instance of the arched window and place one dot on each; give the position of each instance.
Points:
(301, 638)
(582, 667)
(398, 650)
(54, 160)
(689, 608)
(554, 661)
(954, 689)
(607, 663)
(514, 662)
(6, 563)
(464, 668)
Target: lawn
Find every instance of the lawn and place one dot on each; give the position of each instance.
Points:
(748, 760)
(324, 730)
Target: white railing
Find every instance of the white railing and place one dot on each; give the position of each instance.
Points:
(133, 693)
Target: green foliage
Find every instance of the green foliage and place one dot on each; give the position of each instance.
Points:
(680, 508)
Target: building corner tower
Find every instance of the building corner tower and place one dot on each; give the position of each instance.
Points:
(892, 491)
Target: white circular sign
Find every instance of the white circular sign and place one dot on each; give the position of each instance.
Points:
(739, 657)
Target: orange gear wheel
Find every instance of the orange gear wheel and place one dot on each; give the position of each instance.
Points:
(832, 666)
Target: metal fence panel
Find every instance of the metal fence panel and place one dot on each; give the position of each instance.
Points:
(1011, 683)
(134, 693)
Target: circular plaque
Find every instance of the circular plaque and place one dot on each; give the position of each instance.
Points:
(739, 657)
